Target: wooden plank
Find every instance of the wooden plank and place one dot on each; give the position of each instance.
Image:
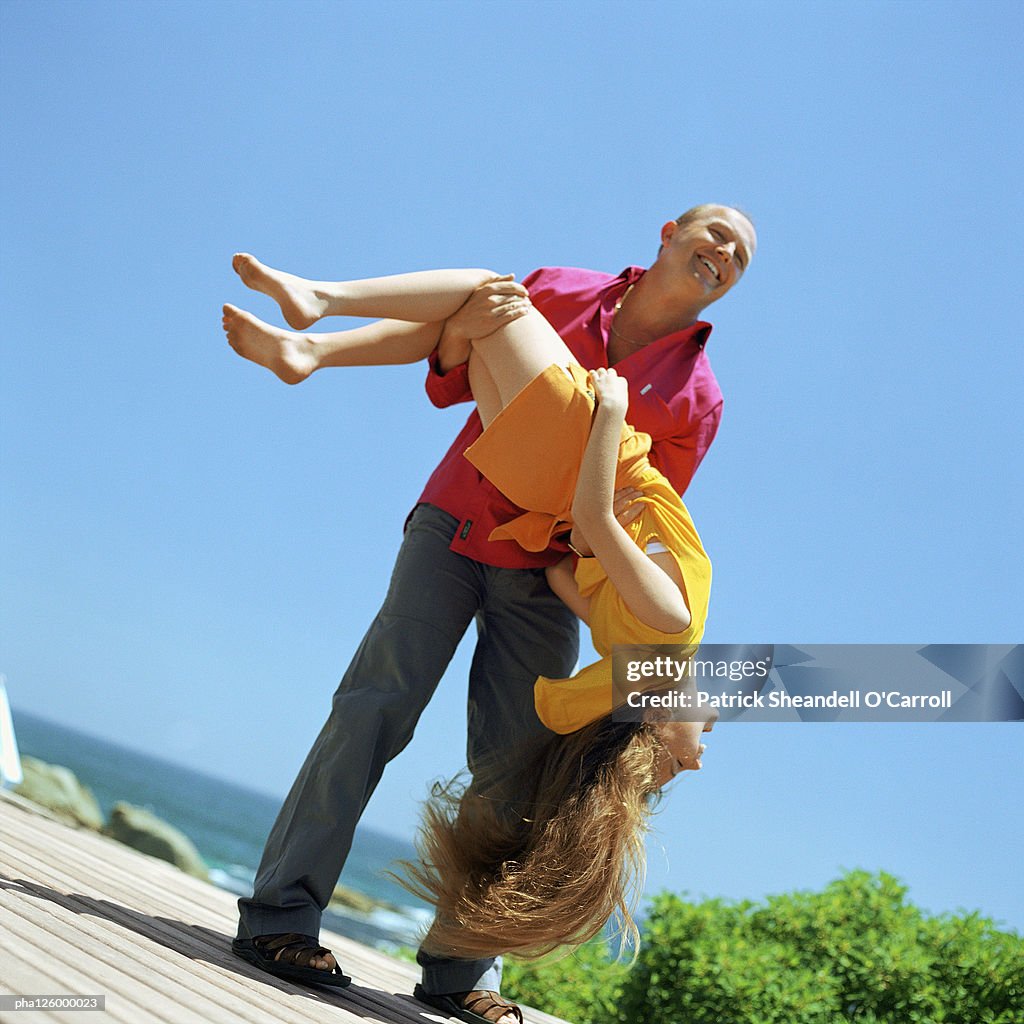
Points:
(136, 972)
(171, 988)
(34, 979)
(45, 973)
(98, 858)
(106, 922)
(152, 880)
(136, 958)
(82, 913)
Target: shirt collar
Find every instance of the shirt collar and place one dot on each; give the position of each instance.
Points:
(696, 333)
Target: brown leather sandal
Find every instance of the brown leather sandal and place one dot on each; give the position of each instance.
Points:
(289, 956)
(477, 1007)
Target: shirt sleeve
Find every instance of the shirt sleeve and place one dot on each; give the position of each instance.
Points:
(532, 279)
(542, 284)
(679, 456)
(445, 389)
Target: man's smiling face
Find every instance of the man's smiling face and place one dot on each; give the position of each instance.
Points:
(709, 250)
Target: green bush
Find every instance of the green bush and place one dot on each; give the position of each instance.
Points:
(855, 952)
(584, 987)
(703, 963)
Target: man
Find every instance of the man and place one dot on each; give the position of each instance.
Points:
(645, 323)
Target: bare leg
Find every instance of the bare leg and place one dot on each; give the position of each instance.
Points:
(485, 391)
(293, 357)
(426, 296)
(508, 359)
(513, 356)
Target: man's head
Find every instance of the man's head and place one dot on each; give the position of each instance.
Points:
(706, 251)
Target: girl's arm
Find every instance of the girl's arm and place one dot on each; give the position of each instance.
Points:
(650, 586)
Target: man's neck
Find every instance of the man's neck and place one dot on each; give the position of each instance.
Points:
(649, 312)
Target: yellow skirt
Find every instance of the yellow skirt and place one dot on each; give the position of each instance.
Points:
(533, 448)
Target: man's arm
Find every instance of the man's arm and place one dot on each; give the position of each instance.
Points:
(562, 580)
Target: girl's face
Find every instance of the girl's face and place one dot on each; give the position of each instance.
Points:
(681, 748)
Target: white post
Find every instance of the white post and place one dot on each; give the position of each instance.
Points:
(10, 762)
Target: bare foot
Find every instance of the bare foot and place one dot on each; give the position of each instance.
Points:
(298, 298)
(285, 353)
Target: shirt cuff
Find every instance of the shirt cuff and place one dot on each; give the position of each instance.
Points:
(444, 389)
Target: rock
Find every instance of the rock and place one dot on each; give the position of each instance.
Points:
(350, 899)
(57, 788)
(138, 828)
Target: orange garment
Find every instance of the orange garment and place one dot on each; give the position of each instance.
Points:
(532, 453)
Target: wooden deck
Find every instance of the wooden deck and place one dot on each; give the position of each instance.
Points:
(83, 915)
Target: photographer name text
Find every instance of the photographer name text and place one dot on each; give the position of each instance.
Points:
(779, 699)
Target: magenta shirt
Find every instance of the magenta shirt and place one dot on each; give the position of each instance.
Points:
(673, 396)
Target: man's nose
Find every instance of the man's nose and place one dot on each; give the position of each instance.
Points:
(727, 250)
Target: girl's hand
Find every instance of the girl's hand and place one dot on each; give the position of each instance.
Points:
(610, 390)
(493, 304)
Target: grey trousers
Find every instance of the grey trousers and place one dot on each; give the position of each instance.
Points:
(523, 631)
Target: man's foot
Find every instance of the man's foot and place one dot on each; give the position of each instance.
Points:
(477, 1007)
(277, 948)
(298, 298)
(285, 353)
(293, 957)
(493, 1007)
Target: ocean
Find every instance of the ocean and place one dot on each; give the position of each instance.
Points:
(228, 825)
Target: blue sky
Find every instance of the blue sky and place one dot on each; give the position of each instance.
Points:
(191, 550)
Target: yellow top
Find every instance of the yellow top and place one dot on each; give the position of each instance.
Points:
(532, 452)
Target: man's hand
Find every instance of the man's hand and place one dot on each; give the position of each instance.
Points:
(625, 507)
(492, 305)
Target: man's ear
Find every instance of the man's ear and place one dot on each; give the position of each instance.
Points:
(668, 229)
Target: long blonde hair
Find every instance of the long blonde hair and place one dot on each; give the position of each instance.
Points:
(546, 853)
